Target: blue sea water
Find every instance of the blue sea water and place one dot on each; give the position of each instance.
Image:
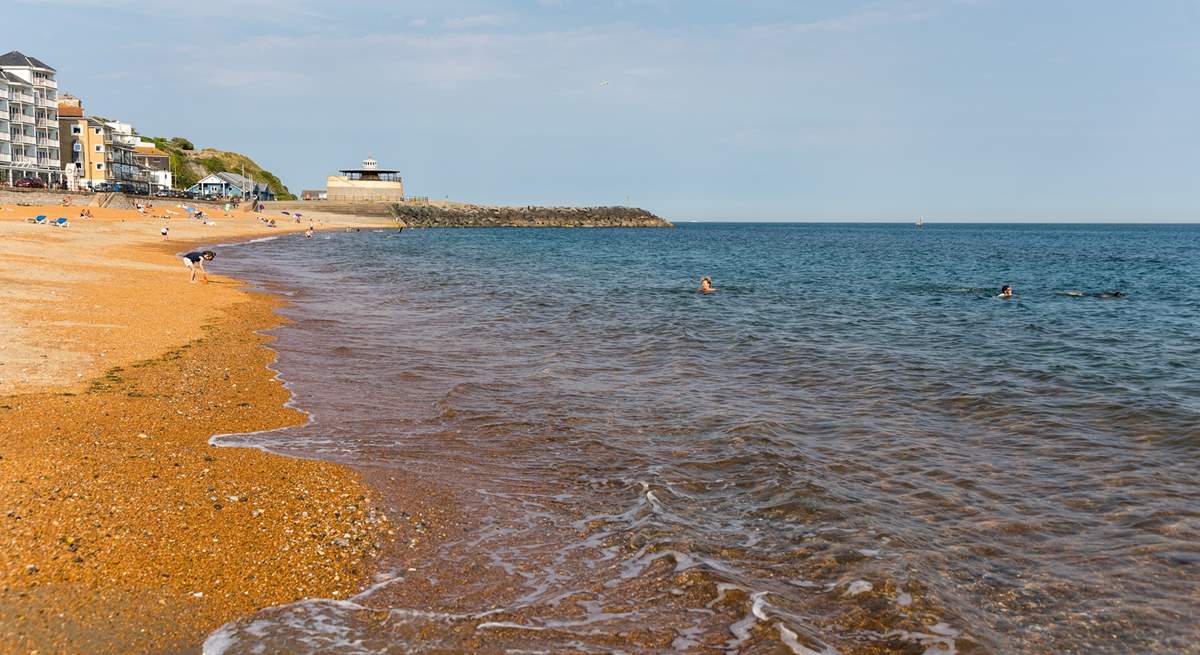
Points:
(852, 446)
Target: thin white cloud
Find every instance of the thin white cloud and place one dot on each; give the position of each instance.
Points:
(856, 21)
(477, 21)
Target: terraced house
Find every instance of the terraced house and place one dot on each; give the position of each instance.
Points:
(29, 143)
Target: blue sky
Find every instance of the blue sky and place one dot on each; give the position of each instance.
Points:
(713, 109)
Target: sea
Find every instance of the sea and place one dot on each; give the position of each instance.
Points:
(852, 446)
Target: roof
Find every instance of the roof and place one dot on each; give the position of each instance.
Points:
(21, 60)
(369, 170)
(69, 111)
(12, 79)
(153, 152)
(236, 180)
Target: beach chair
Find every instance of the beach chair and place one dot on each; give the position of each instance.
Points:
(40, 220)
(60, 222)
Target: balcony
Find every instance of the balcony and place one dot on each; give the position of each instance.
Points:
(18, 117)
(4, 156)
(46, 103)
(49, 84)
(22, 97)
(24, 138)
(46, 141)
(28, 161)
(4, 135)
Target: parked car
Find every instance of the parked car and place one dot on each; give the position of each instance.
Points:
(30, 183)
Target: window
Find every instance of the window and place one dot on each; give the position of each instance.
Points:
(99, 167)
(77, 146)
(97, 130)
(75, 129)
(99, 147)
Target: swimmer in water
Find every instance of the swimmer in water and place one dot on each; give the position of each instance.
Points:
(706, 285)
(1103, 295)
(1005, 292)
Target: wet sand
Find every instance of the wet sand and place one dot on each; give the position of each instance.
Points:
(123, 529)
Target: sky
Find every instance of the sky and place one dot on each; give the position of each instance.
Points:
(693, 109)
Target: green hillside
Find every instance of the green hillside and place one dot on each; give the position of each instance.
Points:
(191, 165)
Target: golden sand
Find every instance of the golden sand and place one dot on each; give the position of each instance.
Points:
(123, 530)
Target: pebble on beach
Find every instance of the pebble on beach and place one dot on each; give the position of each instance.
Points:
(118, 514)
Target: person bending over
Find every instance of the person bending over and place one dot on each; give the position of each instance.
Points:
(194, 260)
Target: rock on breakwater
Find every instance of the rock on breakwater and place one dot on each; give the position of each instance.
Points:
(414, 215)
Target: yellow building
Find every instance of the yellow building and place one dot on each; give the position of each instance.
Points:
(88, 146)
(82, 146)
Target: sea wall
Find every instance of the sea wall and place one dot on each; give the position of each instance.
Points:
(484, 216)
(453, 214)
(19, 196)
(34, 197)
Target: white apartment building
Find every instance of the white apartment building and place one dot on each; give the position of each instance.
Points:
(29, 143)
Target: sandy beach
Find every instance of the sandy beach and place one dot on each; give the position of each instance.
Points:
(124, 530)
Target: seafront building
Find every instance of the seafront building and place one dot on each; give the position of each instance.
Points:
(369, 183)
(99, 152)
(29, 129)
(157, 165)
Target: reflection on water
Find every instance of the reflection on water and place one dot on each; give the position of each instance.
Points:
(853, 447)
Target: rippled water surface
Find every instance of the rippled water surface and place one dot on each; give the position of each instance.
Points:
(851, 447)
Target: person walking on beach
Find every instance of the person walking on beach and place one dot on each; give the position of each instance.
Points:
(194, 260)
(164, 231)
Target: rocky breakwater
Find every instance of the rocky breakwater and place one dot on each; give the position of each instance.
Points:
(414, 215)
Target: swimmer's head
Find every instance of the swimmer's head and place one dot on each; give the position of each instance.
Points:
(1006, 290)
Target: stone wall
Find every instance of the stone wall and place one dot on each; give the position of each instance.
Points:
(451, 214)
(14, 196)
(484, 216)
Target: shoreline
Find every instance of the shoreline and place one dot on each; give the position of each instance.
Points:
(125, 529)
